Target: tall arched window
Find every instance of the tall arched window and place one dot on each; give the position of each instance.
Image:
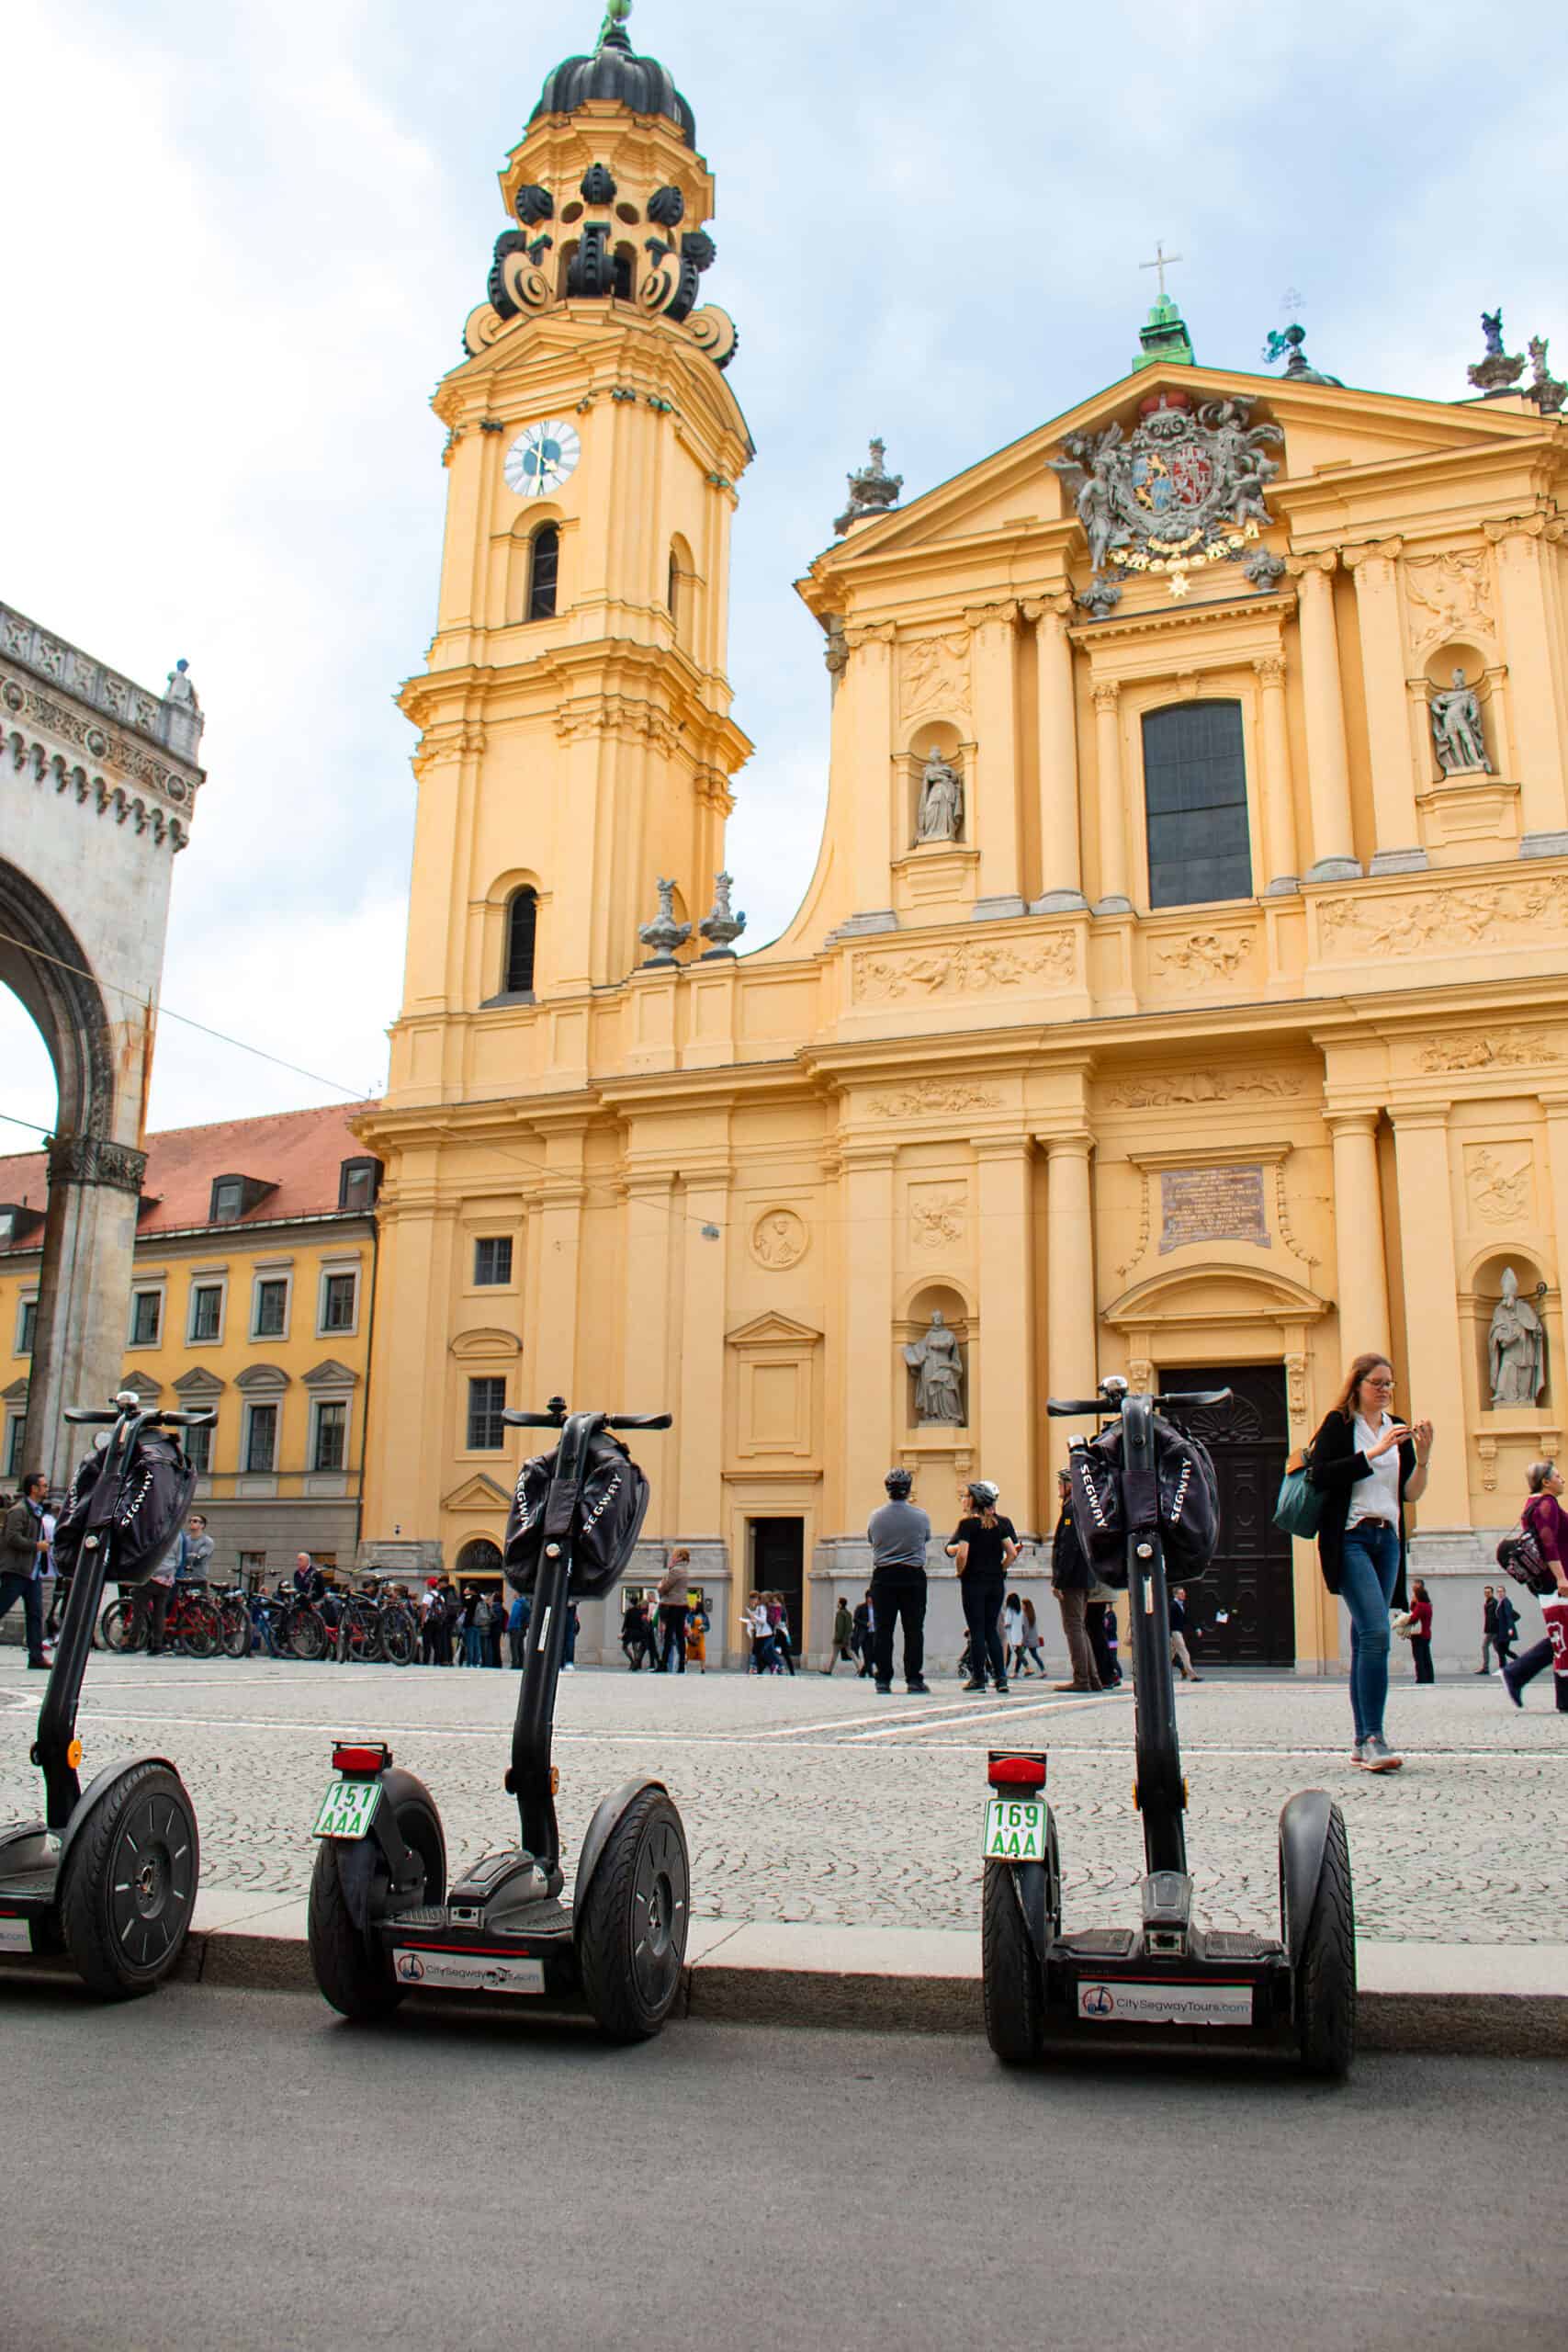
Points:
(543, 569)
(673, 588)
(1195, 801)
(521, 927)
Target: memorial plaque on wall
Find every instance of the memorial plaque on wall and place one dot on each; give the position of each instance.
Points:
(1212, 1205)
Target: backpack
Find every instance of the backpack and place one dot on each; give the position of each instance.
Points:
(1181, 1498)
(610, 1510)
(1520, 1556)
(155, 1492)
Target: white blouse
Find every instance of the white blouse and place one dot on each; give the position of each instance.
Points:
(1377, 1497)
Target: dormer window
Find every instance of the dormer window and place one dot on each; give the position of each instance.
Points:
(359, 1180)
(235, 1196)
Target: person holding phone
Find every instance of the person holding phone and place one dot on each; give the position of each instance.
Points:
(1368, 1465)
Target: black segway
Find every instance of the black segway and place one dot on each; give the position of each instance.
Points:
(110, 1875)
(1170, 1979)
(383, 1922)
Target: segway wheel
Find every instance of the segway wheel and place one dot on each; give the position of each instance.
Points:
(351, 1969)
(1326, 1978)
(631, 1930)
(1009, 1973)
(128, 1889)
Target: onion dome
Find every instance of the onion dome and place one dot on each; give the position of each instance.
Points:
(615, 73)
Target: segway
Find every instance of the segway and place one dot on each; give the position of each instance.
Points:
(110, 1875)
(1170, 1979)
(383, 1923)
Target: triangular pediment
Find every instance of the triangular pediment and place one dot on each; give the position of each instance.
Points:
(771, 1330)
(1333, 434)
(329, 1373)
(478, 1493)
(199, 1382)
(15, 1395)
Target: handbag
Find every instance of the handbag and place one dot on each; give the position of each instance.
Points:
(1520, 1556)
(1298, 1509)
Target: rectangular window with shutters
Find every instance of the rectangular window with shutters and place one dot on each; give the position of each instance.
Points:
(206, 1310)
(270, 1317)
(197, 1444)
(330, 1450)
(146, 1318)
(486, 1402)
(1195, 801)
(260, 1440)
(339, 1302)
(492, 1258)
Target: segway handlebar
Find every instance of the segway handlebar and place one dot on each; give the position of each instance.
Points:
(555, 1418)
(196, 1418)
(1065, 1407)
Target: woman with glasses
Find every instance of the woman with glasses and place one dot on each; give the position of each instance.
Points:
(1368, 1465)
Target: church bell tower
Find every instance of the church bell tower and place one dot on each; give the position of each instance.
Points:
(575, 738)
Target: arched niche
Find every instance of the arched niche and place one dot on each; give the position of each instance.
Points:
(933, 738)
(681, 590)
(480, 1557)
(1478, 1305)
(950, 1302)
(1483, 676)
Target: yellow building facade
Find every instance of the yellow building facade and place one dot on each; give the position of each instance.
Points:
(1180, 985)
(251, 1293)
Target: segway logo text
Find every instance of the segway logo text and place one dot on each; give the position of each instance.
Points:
(1155, 2004)
(456, 1972)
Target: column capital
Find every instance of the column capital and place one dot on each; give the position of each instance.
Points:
(94, 1159)
(867, 1159)
(1271, 668)
(861, 633)
(1352, 1123)
(997, 615)
(1077, 1146)
(1057, 606)
(1317, 563)
(1411, 1118)
(1107, 693)
(1012, 1147)
(1371, 552)
(1515, 526)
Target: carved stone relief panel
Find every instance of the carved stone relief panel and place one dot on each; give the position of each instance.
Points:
(933, 674)
(1499, 1182)
(930, 1097)
(780, 1239)
(1498, 1049)
(966, 969)
(1448, 596)
(939, 1217)
(1209, 956)
(1494, 914)
(1165, 1089)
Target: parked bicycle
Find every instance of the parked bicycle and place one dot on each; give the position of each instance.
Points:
(192, 1626)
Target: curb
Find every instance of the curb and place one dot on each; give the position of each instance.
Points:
(1447, 2000)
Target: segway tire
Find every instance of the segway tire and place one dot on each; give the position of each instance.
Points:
(351, 1969)
(631, 1929)
(1009, 1973)
(1325, 1976)
(128, 1885)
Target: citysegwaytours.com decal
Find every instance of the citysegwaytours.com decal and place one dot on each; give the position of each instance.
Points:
(15, 1934)
(456, 1972)
(1157, 2004)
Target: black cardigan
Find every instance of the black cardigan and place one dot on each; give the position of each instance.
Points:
(1334, 1468)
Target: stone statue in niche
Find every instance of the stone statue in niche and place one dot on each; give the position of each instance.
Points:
(1456, 730)
(940, 815)
(1516, 1347)
(938, 1366)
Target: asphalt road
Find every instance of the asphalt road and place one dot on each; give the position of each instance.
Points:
(241, 2170)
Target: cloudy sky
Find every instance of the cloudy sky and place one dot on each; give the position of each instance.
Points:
(242, 242)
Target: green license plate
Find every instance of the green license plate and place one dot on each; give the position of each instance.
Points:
(347, 1809)
(1015, 1830)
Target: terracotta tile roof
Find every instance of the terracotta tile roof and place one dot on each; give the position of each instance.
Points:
(299, 1153)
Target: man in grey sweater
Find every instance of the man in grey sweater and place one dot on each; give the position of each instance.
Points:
(898, 1534)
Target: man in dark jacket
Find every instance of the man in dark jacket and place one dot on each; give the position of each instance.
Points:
(21, 1559)
(1505, 1628)
(1488, 1629)
(1070, 1580)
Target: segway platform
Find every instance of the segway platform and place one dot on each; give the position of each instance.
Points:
(383, 1921)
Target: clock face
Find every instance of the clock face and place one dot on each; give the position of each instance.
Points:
(541, 457)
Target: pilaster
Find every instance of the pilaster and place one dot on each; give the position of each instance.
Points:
(1071, 1314)
(1357, 1229)
(1279, 810)
(1534, 686)
(1374, 568)
(866, 1192)
(1008, 1410)
(1328, 764)
(1433, 1386)
(700, 1408)
(1061, 861)
(1113, 899)
(994, 797)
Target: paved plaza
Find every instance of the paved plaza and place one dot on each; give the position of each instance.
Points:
(815, 1801)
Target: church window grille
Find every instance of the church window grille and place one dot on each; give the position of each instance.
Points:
(1195, 803)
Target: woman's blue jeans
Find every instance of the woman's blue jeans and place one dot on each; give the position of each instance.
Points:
(1368, 1573)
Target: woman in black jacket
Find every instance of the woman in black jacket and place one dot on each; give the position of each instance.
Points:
(1368, 1465)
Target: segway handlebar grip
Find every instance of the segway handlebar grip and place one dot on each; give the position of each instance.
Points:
(196, 1418)
(640, 1421)
(89, 1416)
(531, 1420)
(1061, 1408)
(1195, 1396)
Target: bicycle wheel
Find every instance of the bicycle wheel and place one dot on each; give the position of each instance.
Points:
(122, 1627)
(303, 1633)
(400, 1638)
(201, 1628)
(235, 1621)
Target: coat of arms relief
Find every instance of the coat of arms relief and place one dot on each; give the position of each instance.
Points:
(1184, 489)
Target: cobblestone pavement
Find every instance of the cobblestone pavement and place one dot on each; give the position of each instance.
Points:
(810, 1800)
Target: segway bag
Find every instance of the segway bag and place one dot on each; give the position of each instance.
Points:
(1181, 1498)
(155, 1494)
(613, 1507)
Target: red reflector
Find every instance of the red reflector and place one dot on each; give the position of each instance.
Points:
(349, 1757)
(1017, 1772)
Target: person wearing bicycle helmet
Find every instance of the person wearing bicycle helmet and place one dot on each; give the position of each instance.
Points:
(984, 1546)
(898, 1533)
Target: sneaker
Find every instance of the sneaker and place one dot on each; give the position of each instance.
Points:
(569, 1668)
(884, 1690)
(1002, 1688)
(919, 1690)
(1512, 1688)
(1356, 1751)
(1377, 1756)
(974, 1686)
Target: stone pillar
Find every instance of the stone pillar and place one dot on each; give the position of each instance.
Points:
(1072, 1321)
(1375, 570)
(79, 1334)
(867, 1384)
(1007, 1326)
(1534, 691)
(1328, 767)
(1113, 899)
(1555, 1107)
(1432, 1382)
(1279, 808)
(699, 1409)
(993, 794)
(551, 1343)
(1358, 1227)
(864, 712)
(1061, 860)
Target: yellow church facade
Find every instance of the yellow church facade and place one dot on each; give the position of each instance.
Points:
(1183, 983)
